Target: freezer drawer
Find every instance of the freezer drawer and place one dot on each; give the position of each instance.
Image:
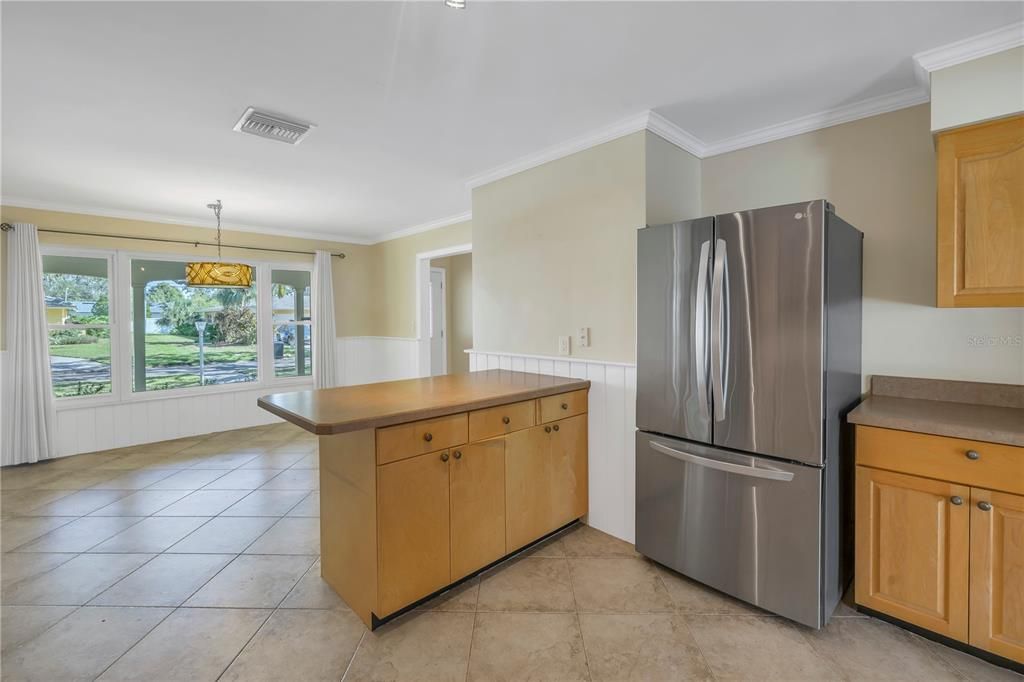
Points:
(748, 526)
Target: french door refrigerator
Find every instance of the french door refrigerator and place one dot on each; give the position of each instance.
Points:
(748, 358)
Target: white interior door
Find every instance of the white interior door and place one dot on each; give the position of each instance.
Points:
(438, 314)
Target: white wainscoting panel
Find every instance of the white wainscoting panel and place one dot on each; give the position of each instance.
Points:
(369, 359)
(611, 430)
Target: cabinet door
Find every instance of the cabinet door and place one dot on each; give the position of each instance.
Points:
(477, 475)
(413, 530)
(980, 215)
(912, 542)
(997, 573)
(568, 470)
(528, 478)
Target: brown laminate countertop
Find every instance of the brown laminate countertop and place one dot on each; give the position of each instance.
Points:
(353, 408)
(973, 411)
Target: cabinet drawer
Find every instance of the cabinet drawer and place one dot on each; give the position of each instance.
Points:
(417, 438)
(976, 463)
(497, 421)
(561, 406)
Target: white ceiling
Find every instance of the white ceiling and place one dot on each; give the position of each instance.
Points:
(128, 107)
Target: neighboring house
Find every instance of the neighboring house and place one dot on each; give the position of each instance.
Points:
(60, 311)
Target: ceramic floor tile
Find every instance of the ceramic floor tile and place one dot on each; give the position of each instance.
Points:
(757, 648)
(151, 535)
(281, 460)
(310, 506)
(266, 503)
(80, 534)
(79, 480)
(618, 585)
(690, 596)
(88, 641)
(25, 476)
(17, 531)
(312, 592)
(549, 549)
(224, 535)
(463, 597)
(308, 645)
(970, 667)
(584, 541)
(309, 461)
(289, 536)
(527, 584)
(141, 503)
(527, 646)
(868, 649)
(19, 624)
(189, 479)
(424, 645)
(255, 581)
(211, 637)
(641, 647)
(24, 501)
(203, 503)
(225, 460)
(75, 582)
(294, 479)
(80, 503)
(243, 479)
(167, 580)
(134, 480)
(15, 567)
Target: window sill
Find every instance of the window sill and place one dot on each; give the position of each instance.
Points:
(282, 384)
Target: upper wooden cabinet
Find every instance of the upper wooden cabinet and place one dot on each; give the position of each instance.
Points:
(980, 217)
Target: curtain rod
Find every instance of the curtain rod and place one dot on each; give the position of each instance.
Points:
(7, 227)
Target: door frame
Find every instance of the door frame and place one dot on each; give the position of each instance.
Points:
(444, 321)
(422, 280)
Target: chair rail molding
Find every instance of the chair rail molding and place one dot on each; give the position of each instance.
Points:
(611, 427)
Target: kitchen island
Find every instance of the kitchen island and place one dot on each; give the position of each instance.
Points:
(426, 482)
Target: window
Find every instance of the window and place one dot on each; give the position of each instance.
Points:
(186, 336)
(292, 329)
(77, 291)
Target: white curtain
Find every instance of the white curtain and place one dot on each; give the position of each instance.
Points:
(325, 362)
(29, 417)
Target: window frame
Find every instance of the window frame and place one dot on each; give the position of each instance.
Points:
(119, 294)
(308, 324)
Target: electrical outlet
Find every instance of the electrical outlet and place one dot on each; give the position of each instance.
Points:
(563, 345)
(583, 337)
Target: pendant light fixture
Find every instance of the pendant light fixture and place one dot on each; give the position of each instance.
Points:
(217, 273)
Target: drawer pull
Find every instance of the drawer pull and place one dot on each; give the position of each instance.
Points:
(458, 454)
(547, 429)
(555, 427)
(505, 420)
(985, 506)
(428, 437)
(957, 500)
(973, 454)
(444, 456)
(565, 406)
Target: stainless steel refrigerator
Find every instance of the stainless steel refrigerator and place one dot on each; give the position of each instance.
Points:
(748, 358)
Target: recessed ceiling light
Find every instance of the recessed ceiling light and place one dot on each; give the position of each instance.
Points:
(455, 4)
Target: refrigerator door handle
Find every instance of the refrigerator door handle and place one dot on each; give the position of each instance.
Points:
(700, 329)
(718, 330)
(743, 470)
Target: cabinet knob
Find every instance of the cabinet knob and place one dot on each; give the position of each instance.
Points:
(547, 429)
(985, 506)
(555, 427)
(957, 500)
(973, 454)
(444, 456)
(458, 454)
(565, 406)
(428, 437)
(505, 420)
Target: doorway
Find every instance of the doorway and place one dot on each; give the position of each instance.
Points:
(444, 310)
(438, 322)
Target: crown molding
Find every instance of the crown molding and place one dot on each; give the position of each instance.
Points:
(873, 106)
(20, 202)
(981, 45)
(424, 227)
(670, 132)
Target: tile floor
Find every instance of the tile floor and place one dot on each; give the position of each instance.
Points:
(197, 559)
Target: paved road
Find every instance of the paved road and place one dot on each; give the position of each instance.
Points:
(75, 370)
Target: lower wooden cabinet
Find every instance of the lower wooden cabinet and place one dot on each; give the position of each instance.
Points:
(476, 476)
(568, 470)
(946, 556)
(997, 573)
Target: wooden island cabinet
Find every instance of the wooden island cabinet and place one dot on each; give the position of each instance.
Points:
(427, 481)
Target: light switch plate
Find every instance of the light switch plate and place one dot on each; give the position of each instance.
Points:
(583, 337)
(563, 345)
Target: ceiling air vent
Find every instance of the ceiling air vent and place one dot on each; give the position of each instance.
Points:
(272, 127)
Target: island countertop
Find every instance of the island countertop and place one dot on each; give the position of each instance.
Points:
(353, 408)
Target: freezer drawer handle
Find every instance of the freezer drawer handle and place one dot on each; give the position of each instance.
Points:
(741, 469)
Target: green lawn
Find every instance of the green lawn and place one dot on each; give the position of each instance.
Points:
(162, 350)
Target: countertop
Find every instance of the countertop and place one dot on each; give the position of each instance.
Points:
(973, 411)
(353, 408)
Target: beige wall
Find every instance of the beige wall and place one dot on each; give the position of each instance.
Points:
(351, 276)
(880, 174)
(978, 90)
(459, 308)
(554, 249)
(393, 277)
(672, 180)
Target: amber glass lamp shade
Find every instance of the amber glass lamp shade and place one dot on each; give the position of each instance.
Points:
(214, 274)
